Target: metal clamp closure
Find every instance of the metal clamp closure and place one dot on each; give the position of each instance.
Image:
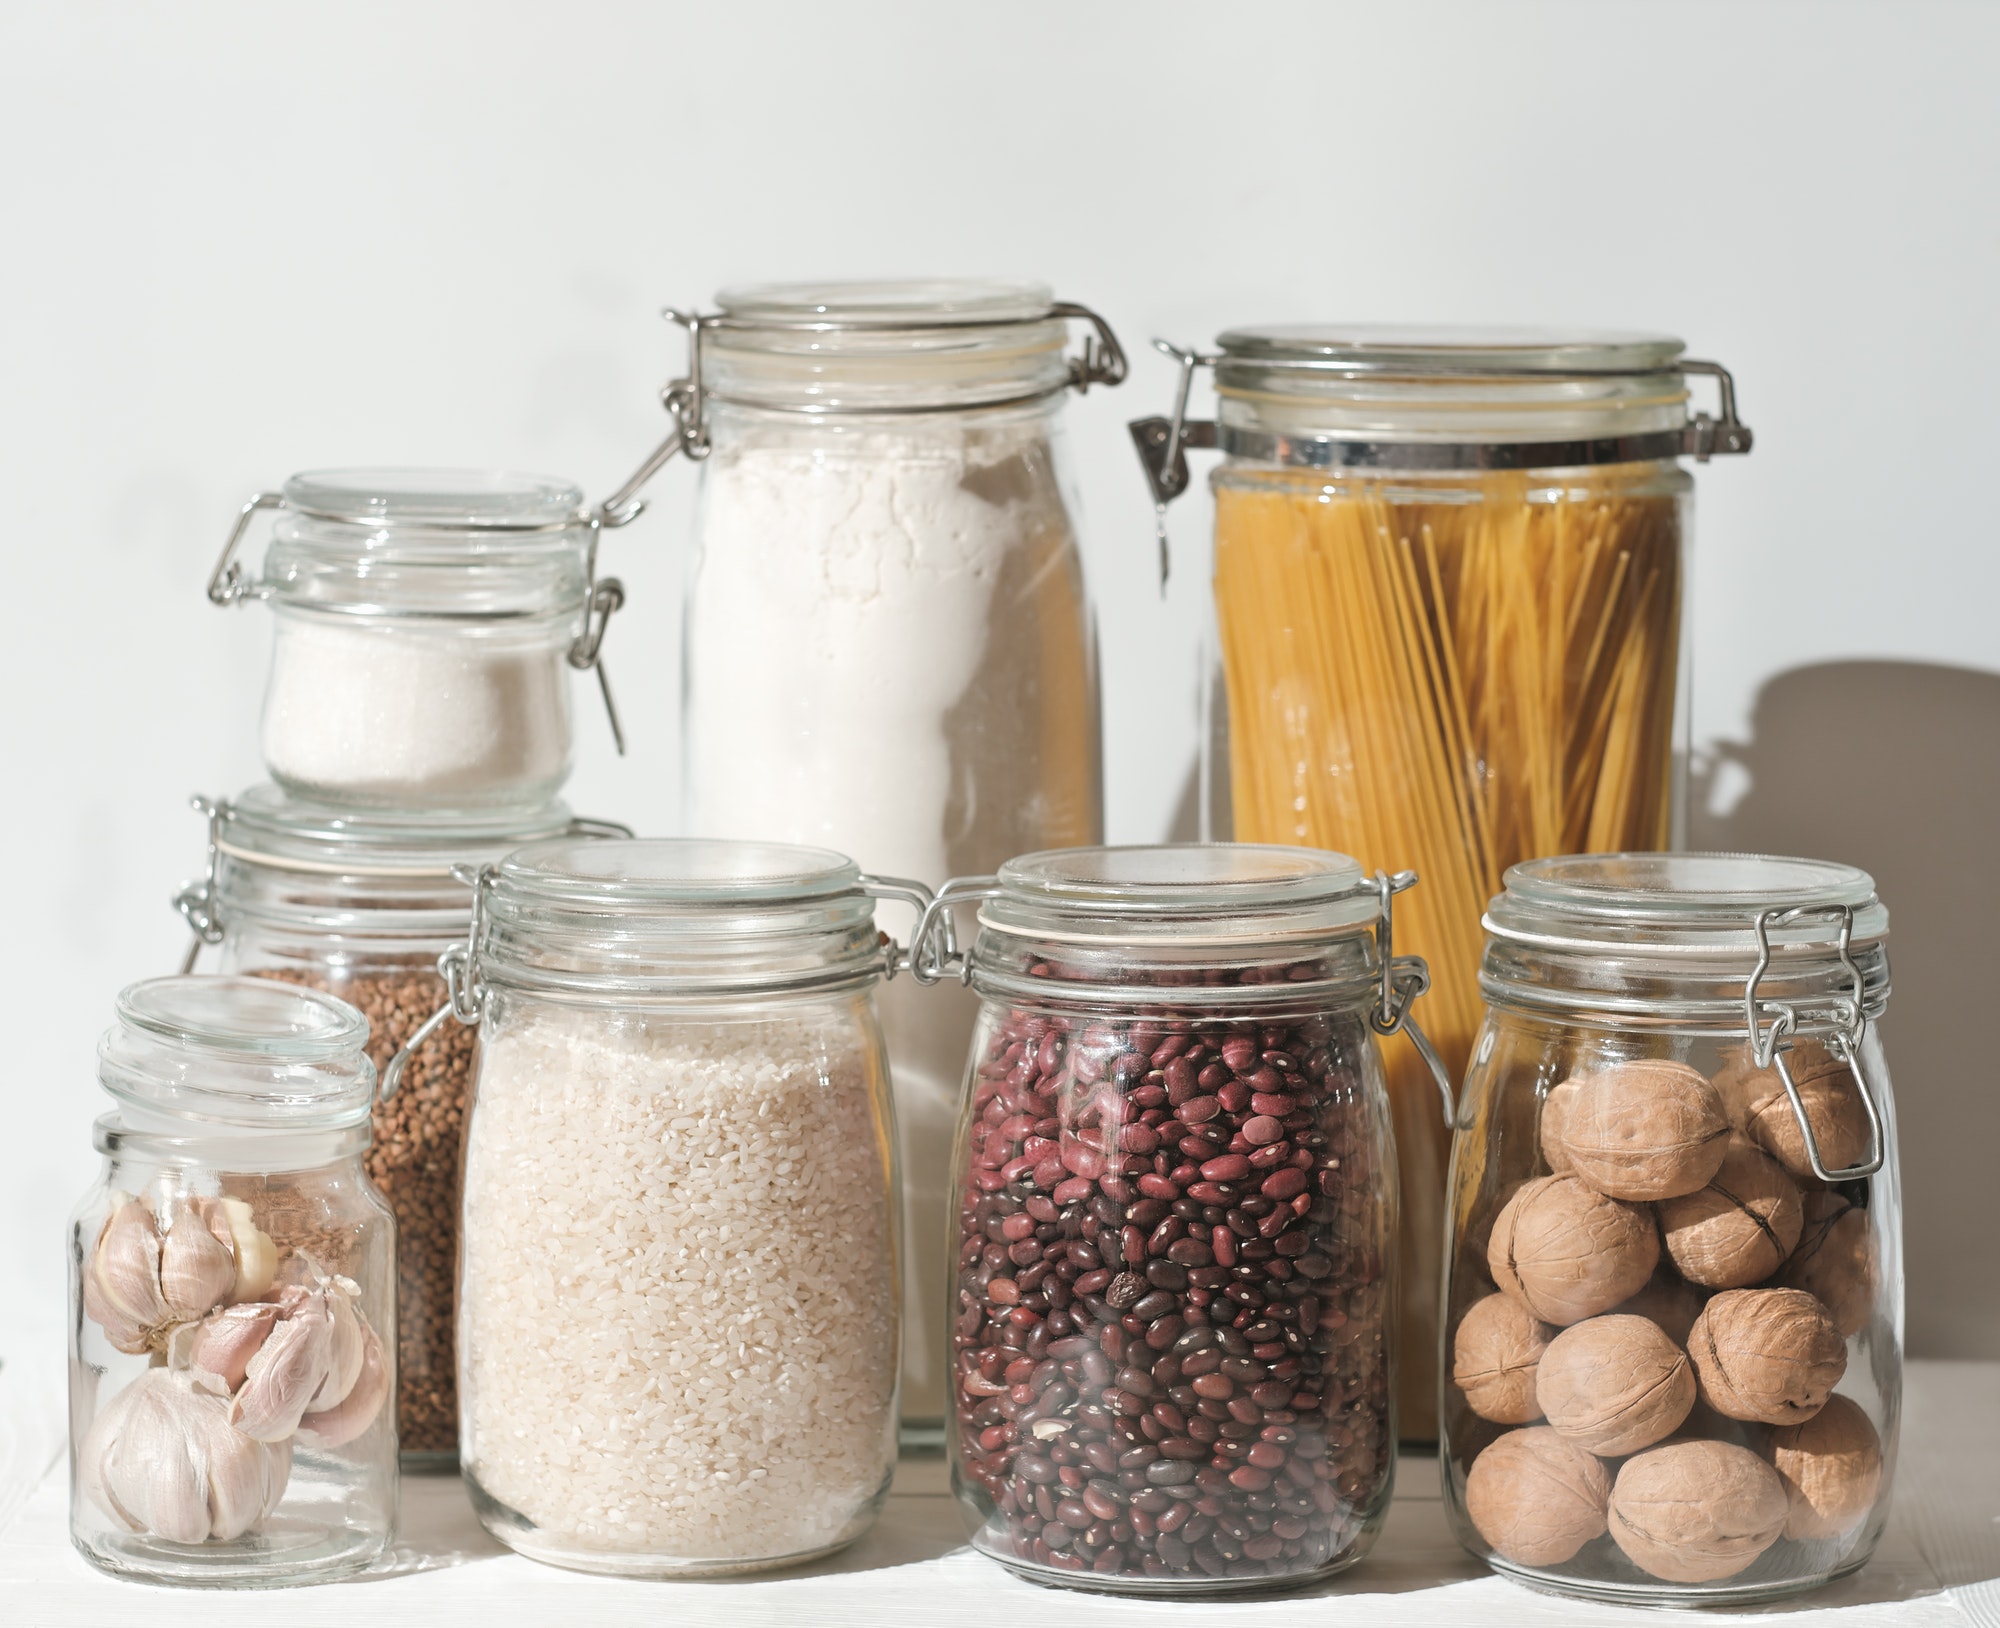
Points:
(586, 655)
(200, 902)
(1404, 978)
(1706, 436)
(227, 584)
(902, 890)
(934, 951)
(1768, 1046)
(465, 995)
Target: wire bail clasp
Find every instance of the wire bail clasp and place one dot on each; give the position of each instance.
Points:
(934, 951)
(902, 890)
(458, 966)
(1403, 979)
(227, 583)
(199, 902)
(1768, 1046)
(683, 400)
(1705, 437)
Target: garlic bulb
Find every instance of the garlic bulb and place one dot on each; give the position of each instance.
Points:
(163, 1458)
(141, 1283)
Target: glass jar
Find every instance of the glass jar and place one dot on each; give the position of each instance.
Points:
(1674, 1320)
(425, 624)
(1173, 1254)
(361, 904)
(886, 521)
(1448, 581)
(232, 1295)
(677, 1281)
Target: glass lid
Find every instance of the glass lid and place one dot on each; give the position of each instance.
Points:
(247, 1052)
(447, 499)
(265, 826)
(641, 872)
(917, 302)
(1206, 892)
(1440, 350)
(1696, 901)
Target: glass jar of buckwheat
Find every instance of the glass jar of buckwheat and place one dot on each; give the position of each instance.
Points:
(360, 904)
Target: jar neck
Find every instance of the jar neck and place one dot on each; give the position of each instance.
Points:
(1270, 975)
(136, 1145)
(944, 368)
(428, 572)
(1628, 989)
(407, 912)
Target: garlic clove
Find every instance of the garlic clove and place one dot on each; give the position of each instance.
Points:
(152, 1468)
(356, 1412)
(256, 1254)
(197, 1272)
(126, 1269)
(227, 1340)
(285, 1373)
(344, 1366)
(91, 1455)
(123, 1333)
(245, 1478)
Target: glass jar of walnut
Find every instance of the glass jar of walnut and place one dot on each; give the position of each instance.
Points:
(360, 905)
(1674, 1320)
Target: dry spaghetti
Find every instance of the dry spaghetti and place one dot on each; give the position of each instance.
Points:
(1448, 675)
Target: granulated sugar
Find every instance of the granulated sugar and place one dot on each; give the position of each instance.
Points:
(678, 1335)
(416, 718)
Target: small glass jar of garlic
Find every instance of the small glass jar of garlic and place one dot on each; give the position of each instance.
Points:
(233, 1295)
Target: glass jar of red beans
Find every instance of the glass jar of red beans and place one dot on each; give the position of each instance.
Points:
(1175, 1205)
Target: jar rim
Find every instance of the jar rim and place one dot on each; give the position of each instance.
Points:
(885, 304)
(436, 498)
(245, 1053)
(1187, 893)
(1697, 902)
(628, 872)
(1450, 351)
(268, 827)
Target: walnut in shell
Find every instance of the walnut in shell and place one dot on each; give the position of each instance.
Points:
(1755, 1101)
(1740, 1228)
(1567, 1252)
(1832, 1470)
(1696, 1511)
(1835, 1260)
(1537, 1498)
(1668, 1301)
(1645, 1129)
(1494, 1352)
(1768, 1354)
(1555, 1115)
(1614, 1385)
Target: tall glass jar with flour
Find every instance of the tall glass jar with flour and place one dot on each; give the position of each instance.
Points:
(889, 651)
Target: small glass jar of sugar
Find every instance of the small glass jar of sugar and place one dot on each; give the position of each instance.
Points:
(426, 621)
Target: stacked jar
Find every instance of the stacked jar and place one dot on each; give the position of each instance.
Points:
(1674, 1316)
(885, 518)
(1174, 1259)
(416, 725)
(233, 1295)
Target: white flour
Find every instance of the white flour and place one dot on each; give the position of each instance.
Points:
(888, 655)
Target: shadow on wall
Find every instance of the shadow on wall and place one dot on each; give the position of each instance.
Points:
(1895, 767)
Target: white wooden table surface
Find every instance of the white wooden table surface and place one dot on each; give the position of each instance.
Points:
(1940, 1563)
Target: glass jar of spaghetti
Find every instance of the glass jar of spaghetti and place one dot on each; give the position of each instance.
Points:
(1674, 1317)
(1448, 584)
(1172, 1353)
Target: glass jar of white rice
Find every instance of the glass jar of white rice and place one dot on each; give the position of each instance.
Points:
(678, 1317)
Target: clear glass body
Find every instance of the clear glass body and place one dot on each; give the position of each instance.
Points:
(678, 1289)
(1698, 1403)
(923, 690)
(677, 1347)
(362, 908)
(1450, 673)
(422, 626)
(232, 1347)
(1173, 1263)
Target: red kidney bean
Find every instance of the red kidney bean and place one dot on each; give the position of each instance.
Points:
(1166, 1249)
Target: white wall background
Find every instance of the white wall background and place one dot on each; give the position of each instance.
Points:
(243, 239)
